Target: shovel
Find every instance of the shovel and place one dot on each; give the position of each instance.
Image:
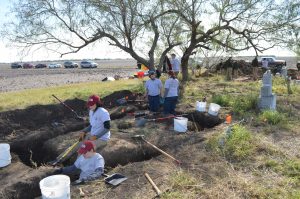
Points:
(114, 179)
(64, 154)
(140, 122)
(125, 100)
(67, 106)
(141, 137)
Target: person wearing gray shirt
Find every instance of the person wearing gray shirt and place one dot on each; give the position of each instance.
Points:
(90, 164)
(171, 93)
(153, 88)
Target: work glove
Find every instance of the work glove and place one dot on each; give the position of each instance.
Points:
(93, 138)
(82, 136)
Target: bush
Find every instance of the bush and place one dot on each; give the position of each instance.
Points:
(242, 104)
(222, 100)
(240, 144)
(237, 145)
(272, 117)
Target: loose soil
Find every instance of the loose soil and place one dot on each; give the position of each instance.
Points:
(39, 133)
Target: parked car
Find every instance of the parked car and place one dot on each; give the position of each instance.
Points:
(88, 64)
(54, 65)
(16, 65)
(27, 65)
(273, 62)
(40, 66)
(70, 64)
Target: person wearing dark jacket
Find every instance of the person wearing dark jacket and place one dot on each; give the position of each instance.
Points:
(255, 68)
(228, 67)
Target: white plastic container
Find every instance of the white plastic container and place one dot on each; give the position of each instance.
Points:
(5, 157)
(214, 109)
(180, 124)
(201, 106)
(55, 187)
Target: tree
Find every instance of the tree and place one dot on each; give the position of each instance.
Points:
(235, 25)
(67, 26)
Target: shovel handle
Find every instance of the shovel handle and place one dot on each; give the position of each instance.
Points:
(158, 192)
(163, 152)
(66, 105)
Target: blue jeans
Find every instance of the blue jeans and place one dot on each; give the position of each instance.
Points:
(170, 105)
(153, 103)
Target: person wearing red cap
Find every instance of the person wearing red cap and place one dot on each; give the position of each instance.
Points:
(98, 130)
(171, 93)
(90, 164)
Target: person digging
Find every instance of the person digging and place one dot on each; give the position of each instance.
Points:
(97, 132)
(89, 164)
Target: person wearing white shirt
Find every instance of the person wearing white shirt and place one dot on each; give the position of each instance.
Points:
(175, 64)
(171, 93)
(89, 164)
(153, 88)
(265, 63)
(97, 132)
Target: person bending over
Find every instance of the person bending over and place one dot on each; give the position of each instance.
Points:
(97, 132)
(89, 164)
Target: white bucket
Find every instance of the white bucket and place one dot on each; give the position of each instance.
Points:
(55, 187)
(201, 106)
(5, 157)
(214, 109)
(180, 124)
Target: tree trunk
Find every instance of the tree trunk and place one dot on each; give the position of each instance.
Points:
(184, 68)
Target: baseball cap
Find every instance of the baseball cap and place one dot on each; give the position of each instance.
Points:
(85, 147)
(151, 72)
(94, 99)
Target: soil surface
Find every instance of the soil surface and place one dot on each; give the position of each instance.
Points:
(40, 133)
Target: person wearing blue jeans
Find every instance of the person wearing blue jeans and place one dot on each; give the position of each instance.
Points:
(153, 88)
(171, 93)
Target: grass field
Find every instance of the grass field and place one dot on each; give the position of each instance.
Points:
(23, 99)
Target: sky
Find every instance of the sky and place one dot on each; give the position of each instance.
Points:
(102, 50)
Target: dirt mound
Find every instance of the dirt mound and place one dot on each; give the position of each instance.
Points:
(21, 181)
(39, 133)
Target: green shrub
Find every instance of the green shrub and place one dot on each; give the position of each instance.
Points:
(222, 100)
(242, 104)
(240, 144)
(272, 117)
(237, 144)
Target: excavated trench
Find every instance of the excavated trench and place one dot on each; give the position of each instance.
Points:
(33, 134)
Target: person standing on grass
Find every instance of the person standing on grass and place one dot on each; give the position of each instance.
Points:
(255, 68)
(89, 164)
(153, 88)
(97, 132)
(175, 64)
(265, 64)
(171, 93)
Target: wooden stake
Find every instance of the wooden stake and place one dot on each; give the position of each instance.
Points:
(158, 192)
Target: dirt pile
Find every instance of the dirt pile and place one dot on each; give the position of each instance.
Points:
(39, 133)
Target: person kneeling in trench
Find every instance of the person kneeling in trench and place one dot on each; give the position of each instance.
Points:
(90, 164)
(98, 130)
